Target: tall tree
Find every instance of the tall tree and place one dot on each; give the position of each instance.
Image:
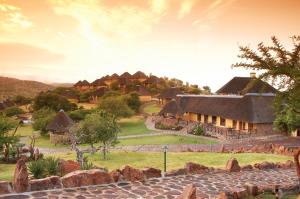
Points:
(116, 106)
(7, 136)
(282, 67)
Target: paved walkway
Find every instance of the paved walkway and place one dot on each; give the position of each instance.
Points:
(208, 186)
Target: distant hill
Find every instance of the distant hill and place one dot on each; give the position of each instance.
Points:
(62, 84)
(10, 87)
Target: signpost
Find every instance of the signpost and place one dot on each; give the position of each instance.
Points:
(165, 148)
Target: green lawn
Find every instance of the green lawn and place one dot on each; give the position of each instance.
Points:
(25, 130)
(165, 139)
(133, 126)
(272, 196)
(152, 108)
(174, 160)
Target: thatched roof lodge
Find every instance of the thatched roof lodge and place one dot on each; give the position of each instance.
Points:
(169, 94)
(59, 128)
(243, 85)
(144, 94)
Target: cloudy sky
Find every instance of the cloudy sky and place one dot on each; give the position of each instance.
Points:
(193, 40)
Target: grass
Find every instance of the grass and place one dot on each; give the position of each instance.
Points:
(164, 139)
(133, 126)
(87, 105)
(152, 108)
(155, 159)
(25, 130)
(272, 196)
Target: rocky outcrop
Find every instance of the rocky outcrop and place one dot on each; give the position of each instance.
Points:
(246, 167)
(233, 165)
(265, 165)
(189, 192)
(194, 168)
(151, 173)
(132, 174)
(116, 175)
(20, 181)
(177, 172)
(68, 166)
(52, 182)
(5, 187)
(85, 178)
(252, 189)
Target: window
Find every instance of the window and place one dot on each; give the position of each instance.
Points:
(199, 117)
(205, 118)
(214, 119)
(234, 123)
(222, 121)
(250, 126)
(244, 125)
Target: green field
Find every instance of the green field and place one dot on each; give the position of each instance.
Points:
(165, 139)
(152, 108)
(133, 126)
(174, 160)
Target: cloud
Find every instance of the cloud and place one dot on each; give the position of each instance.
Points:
(100, 21)
(11, 18)
(22, 55)
(185, 8)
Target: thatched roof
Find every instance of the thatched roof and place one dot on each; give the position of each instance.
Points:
(170, 93)
(125, 75)
(172, 108)
(61, 123)
(99, 92)
(152, 80)
(82, 83)
(243, 85)
(98, 82)
(139, 75)
(78, 83)
(142, 91)
(254, 108)
(114, 76)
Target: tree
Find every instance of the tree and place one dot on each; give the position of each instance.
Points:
(42, 118)
(133, 101)
(52, 101)
(282, 67)
(116, 106)
(206, 90)
(22, 100)
(13, 111)
(7, 137)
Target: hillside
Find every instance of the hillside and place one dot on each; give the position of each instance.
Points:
(10, 87)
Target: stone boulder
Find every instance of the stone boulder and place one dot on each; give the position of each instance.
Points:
(252, 189)
(246, 167)
(20, 180)
(85, 178)
(151, 173)
(265, 165)
(233, 165)
(189, 192)
(116, 175)
(68, 166)
(52, 182)
(194, 168)
(225, 195)
(177, 172)
(132, 174)
(5, 187)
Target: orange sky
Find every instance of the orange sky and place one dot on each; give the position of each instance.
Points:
(193, 40)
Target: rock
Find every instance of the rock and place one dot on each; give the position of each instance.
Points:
(151, 173)
(233, 165)
(265, 165)
(52, 182)
(20, 181)
(252, 190)
(247, 167)
(132, 174)
(68, 166)
(116, 175)
(5, 187)
(224, 195)
(240, 193)
(176, 172)
(189, 192)
(25, 149)
(86, 177)
(193, 168)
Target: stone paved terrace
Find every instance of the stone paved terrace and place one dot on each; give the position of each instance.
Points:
(208, 186)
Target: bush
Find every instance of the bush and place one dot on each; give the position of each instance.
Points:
(79, 114)
(42, 118)
(167, 127)
(197, 130)
(51, 166)
(37, 168)
(12, 111)
(87, 165)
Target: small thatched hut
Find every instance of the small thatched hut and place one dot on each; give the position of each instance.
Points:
(59, 128)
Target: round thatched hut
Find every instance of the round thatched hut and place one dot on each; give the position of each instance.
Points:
(59, 128)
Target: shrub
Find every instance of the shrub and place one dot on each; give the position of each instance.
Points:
(197, 130)
(51, 166)
(87, 165)
(37, 168)
(42, 118)
(80, 114)
(167, 127)
(12, 111)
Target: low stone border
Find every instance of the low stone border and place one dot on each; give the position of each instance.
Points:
(81, 178)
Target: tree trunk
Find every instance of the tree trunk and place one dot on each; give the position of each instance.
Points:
(6, 153)
(104, 151)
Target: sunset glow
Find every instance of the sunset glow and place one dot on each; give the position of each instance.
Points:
(193, 40)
